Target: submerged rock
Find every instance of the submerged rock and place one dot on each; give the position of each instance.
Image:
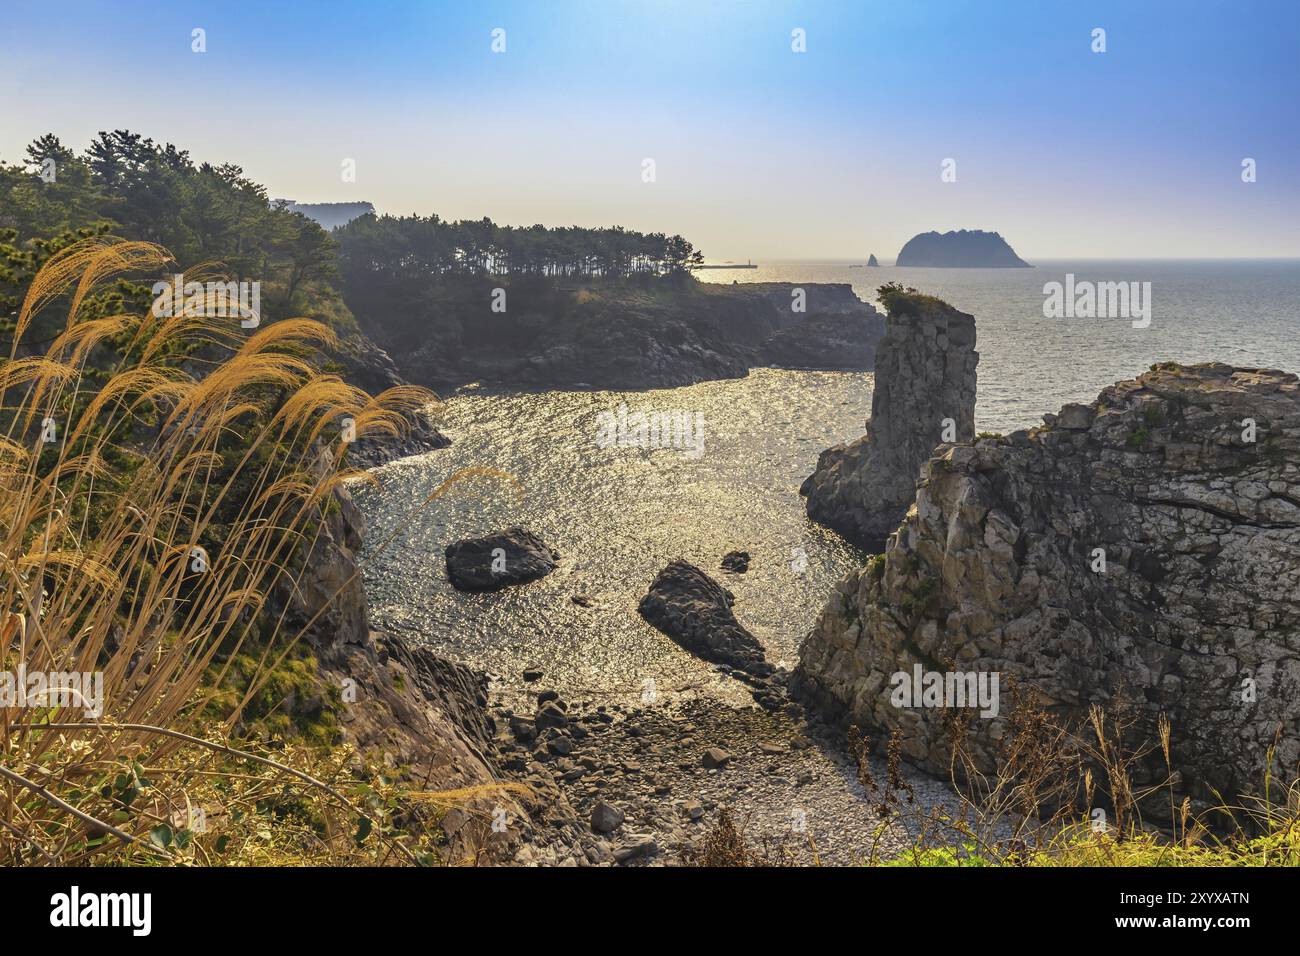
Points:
(513, 556)
(924, 387)
(1146, 546)
(695, 611)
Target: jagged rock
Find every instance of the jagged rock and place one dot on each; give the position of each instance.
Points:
(872, 261)
(1195, 612)
(695, 611)
(513, 556)
(925, 376)
(638, 844)
(715, 758)
(369, 367)
(419, 437)
(606, 336)
(605, 818)
(320, 595)
(550, 714)
(403, 707)
(737, 562)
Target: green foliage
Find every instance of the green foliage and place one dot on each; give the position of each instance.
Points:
(902, 300)
(289, 698)
(423, 249)
(127, 185)
(942, 856)
(1138, 438)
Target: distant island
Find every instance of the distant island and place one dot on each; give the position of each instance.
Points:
(872, 260)
(330, 215)
(962, 249)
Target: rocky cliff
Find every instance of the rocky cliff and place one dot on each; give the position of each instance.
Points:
(368, 367)
(1146, 545)
(421, 717)
(616, 335)
(924, 393)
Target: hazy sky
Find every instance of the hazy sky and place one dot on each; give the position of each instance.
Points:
(759, 151)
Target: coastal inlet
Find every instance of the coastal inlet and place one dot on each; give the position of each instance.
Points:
(617, 515)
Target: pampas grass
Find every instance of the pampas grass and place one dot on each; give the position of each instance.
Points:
(100, 532)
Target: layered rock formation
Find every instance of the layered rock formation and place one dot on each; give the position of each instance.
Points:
(1146, 546)
(960, 249)
(924, 393)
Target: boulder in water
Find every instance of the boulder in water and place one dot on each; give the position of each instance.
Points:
(695, 611)
(513, 556)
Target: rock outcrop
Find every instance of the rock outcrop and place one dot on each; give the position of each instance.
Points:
(371, 369)
(422, 717)
(320, 595)
(695, 611)
(620, 336)
(1145, 546)
(960, 249)
(872, 262)
(420, 437)
(513, 556)
(924, 388)
(838, 341)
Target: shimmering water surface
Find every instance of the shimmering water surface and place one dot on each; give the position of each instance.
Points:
(618, 515)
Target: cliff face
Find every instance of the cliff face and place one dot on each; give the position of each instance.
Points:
(618, 335)
(960, 249)
(924, 375)
(370, 368)
(402, 707)
(1194, 613)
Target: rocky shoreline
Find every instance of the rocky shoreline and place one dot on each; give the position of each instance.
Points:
(646, 785)
(1142, 548)
(989, 546)
(628, 337)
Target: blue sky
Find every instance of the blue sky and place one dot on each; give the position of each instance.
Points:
(759, 151)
